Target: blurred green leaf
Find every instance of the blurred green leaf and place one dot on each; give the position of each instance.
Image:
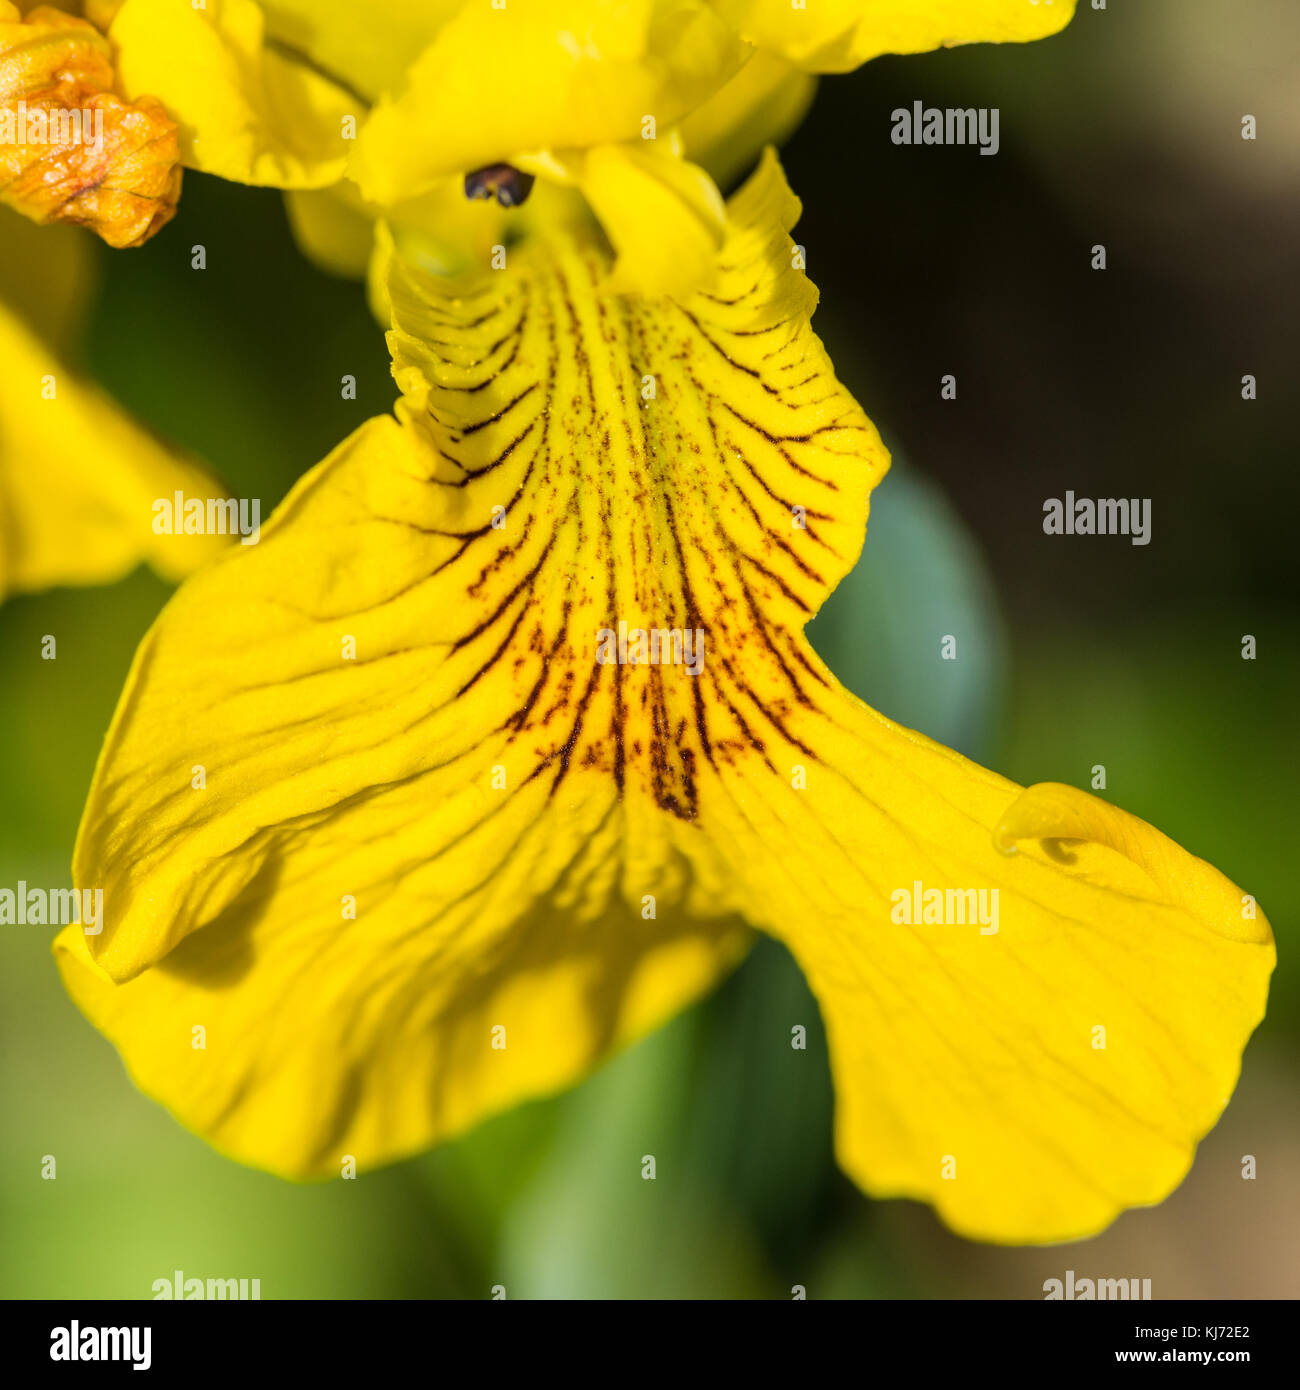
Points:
(919, 580)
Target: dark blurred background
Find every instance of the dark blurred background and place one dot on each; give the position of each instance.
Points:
(1124, 131)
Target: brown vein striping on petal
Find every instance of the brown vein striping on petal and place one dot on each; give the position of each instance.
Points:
(640, 509)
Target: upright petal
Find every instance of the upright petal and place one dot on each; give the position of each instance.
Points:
(761, 105)
(367, 46)
(839, 35)
(664, 217)
(558, 74)
(247, 111)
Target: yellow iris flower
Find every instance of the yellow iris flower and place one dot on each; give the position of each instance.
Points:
(397, 821)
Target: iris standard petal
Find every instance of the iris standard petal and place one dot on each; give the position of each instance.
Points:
(839, 35)
(247, 111)
(366, 47)
(561, 74)
(761, 105)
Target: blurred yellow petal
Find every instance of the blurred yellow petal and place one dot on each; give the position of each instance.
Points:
(1030, 1063)
(78, 480)
(760, 106)
(332, 227)
(366, 46)
(434, 809)
(247, 112)
(70, 149)
(101, 12)
(47, 277)
(564, 74)
(664, 217)
(442, 230)
(839, 35)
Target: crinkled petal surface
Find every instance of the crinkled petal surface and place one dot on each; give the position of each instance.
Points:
(78, 479)
(504, 805)
(247, 110)
(839, 35)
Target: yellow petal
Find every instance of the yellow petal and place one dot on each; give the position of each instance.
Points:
(442, 230)
(367, 46)
(499, 877)
(401, 703)
(332, 227)
(839, 35)
(564, 74)
(1033, 1062)
(247, 112)
(664, 217)
(47, 277)
(760, 106)
(70, 149)
(478, 907)
(78, 480)
(101, 12)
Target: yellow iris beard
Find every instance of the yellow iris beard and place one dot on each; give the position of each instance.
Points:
(414, 884)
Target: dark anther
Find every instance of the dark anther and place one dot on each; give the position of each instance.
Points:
(510, 185)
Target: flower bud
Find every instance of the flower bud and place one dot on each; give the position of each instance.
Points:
(71, 150)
